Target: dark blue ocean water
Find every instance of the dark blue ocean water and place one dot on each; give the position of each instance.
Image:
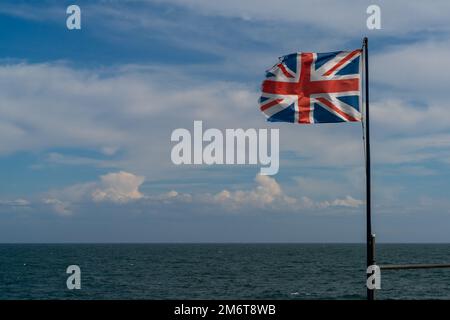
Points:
(218, 271)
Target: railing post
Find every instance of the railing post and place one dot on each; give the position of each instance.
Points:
(371, 246)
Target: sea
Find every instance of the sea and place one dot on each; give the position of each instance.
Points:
(218, 271)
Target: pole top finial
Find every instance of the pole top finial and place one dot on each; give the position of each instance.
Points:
(365, 40)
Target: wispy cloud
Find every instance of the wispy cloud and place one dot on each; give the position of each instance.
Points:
(15, 203)
(130, 110)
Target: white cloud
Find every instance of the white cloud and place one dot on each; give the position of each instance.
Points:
(123, 188)
(268, 192)
(404, 118)
(119, 187)
(15, 203)
(420, 69)
(115, 187)
(54, 106)
(344, 18)
(347, 18)
(130, 110)
(170, 196)
(348, 201)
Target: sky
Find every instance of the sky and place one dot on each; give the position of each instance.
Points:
(86, 118)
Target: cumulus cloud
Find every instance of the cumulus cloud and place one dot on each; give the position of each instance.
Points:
(267, 195)
(119, 187)
(123, 188)
(115, 187)
(170, 197)
(267, 192)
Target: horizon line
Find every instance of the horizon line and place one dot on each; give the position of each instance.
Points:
(210, 242)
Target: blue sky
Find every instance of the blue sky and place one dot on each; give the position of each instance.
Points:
(86, 118)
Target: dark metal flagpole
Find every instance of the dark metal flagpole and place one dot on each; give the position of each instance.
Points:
(370, 237)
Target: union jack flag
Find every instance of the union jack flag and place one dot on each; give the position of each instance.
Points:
(308, 87)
